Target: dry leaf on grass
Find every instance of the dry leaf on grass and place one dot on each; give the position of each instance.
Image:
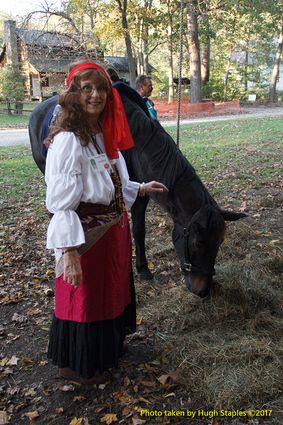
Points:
(138, 421)
(66, 388)
(163, 379)
(4, 418)
(76, 421)
(148, 383)
(126, 381)
(18, 318)
(13, 361)
(174, 376)
(4, 361)
(27, 361)
(109, 418)
(32, 415)
(170, 395)
(79, 398)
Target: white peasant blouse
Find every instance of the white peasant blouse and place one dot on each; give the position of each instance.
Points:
(71, 179)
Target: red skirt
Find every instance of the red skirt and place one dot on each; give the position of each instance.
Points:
(90, 321)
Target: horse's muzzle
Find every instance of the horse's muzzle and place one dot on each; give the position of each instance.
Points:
(198, 283)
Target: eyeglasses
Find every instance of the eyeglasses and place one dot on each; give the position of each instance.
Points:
(89, 89)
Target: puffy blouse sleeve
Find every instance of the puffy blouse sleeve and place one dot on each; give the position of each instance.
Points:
(129, 188)
(63, 178)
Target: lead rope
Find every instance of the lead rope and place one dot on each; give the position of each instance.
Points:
(180, 72)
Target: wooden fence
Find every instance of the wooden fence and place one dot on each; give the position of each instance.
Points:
(17, 108)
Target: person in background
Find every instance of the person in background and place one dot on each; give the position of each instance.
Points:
(88, 192)
(144, 87)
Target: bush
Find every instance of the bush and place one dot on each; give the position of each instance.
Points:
(11, 85)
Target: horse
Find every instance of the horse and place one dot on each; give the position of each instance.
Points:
(199, 222)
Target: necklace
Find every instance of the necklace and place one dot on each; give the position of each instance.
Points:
(95, 144)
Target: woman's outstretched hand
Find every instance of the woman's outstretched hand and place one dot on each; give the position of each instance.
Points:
(72, 268)
(154, 186)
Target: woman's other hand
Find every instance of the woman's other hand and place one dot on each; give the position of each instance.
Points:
(154, 186)
(72, 267)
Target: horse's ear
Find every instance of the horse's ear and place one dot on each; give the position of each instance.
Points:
(232, 216)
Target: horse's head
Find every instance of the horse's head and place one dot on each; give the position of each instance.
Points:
(197, 246)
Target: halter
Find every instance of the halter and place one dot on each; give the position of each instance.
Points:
(187, 266)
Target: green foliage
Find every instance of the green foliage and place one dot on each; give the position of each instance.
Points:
(11, 84)
(241, 35)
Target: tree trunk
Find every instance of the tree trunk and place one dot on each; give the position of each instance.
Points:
(145, 53)
(140, 57)
(205, 62)
(9, 109)
(122, 5)
(195, 66)
(246, 67)
(205, 48)
(170, 57)
(226, 78)
(275, 73)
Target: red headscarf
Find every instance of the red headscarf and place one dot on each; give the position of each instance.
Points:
(115, 127)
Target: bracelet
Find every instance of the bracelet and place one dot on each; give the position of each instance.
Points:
(64, 251)
(142, 189)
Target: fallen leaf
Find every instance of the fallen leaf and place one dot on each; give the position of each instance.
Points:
(13, 337)
(33, 311)
(67, 388)
(32, 415)
(8, 371)
(76, 421)
(102, 386)
(170, 395)
(138, 421)
(148, 383)
(126, 381)
(20, 406)
(79, 398)
(4, 361)
(126, 411)
(18, 318)
(29, 392)
(58, 410)
(27, 361)
(139, 322)
(144, 400)
(4, 417)
(13, 361)
(276, 242)
(163, 379)
(13, 390)
(109, 418)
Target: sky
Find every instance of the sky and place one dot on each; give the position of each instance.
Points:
(22, 7)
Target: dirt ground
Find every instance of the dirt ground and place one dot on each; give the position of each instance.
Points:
(30, 390)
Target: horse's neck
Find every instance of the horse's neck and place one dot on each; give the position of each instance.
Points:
(156, 157)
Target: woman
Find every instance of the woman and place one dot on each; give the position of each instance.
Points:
(88, 191)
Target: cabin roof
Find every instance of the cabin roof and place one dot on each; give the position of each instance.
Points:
(47, 38)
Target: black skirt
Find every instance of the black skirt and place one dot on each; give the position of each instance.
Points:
(87, 348)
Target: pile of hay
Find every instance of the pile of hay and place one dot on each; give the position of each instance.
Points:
(226, 348)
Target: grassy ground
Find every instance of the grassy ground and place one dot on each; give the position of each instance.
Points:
(13, 121)
(189, 355)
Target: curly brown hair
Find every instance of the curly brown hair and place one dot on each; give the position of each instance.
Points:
(72, 117)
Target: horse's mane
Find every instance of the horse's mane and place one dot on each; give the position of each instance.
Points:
(155, 155)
